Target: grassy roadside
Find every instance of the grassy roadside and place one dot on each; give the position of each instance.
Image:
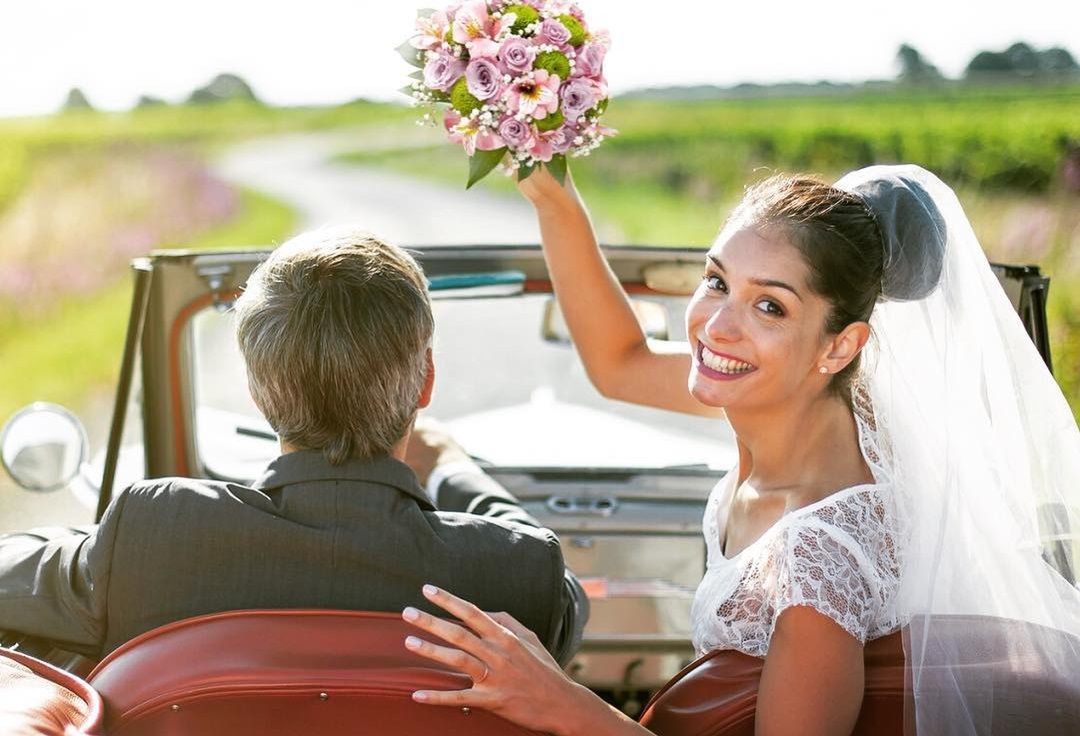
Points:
(88, 332)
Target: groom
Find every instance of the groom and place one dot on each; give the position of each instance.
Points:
(335, 328)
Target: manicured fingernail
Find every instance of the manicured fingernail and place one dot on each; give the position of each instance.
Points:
(430, 589)
(412, 642)
(410, 614)
(419, 696)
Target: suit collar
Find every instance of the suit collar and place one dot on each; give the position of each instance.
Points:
(305, 466)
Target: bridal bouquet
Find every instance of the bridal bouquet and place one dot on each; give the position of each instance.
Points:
(520, 82)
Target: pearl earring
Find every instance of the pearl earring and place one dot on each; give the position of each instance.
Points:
(823, 369)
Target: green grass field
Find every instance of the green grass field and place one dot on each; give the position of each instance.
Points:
(74, 350)
(677, 168)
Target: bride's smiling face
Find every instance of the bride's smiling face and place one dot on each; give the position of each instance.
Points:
(756, 330)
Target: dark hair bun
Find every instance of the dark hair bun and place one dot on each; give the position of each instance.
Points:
(912, 231)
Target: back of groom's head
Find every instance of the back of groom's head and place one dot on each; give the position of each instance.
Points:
(335, 328)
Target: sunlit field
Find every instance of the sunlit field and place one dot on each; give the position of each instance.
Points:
(82, 193)
(678, 167)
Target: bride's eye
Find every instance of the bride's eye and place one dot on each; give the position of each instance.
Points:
(770, 307)
(714, 282)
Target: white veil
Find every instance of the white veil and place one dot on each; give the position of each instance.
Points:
(984, 455)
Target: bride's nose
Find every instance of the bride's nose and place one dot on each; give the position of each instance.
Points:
(724, 323)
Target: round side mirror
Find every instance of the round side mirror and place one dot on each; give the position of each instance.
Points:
(43, 447)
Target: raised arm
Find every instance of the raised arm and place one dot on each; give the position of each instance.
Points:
(620, 362)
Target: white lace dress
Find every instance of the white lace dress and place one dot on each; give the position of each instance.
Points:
(839, 556)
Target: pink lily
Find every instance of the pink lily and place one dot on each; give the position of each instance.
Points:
(431, 31)
(477, 30)
(536, 95)
(469, 133)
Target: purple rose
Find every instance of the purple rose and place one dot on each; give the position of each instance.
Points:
(590, 60)
(554, 32)
(516, 133)
(442, 70)
(562, 139)
(578, 95)
(515, 55)
(482, 78)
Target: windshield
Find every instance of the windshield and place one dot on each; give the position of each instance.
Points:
(508, 395)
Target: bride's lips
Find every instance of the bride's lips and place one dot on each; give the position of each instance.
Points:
(699, 362)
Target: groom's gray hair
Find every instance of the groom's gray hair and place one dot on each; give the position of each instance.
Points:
(334, 328)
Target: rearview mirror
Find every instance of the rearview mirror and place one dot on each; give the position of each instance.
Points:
(652, 317)
(43, 447)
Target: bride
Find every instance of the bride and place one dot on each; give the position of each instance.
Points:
(904, 458)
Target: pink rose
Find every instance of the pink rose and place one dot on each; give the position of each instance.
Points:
(483, 79)
(518, 134)
(442, 70)
(578, 95)
(554, 32)
(515, 55)
(590, 60)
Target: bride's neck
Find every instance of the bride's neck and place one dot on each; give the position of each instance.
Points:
(799, 445)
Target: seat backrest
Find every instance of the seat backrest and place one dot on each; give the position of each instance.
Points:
(37, 699)
(282, 672)
(716, 695)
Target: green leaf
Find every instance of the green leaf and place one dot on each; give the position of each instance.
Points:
(425, 12)
(406, 90)
(482, 162)
(557, 167)
(418, 75)
(411, 55)
(526, 171)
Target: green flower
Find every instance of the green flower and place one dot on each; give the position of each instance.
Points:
(551, 122)
(577, 31)
(553, 62)
(463, 100)
(523, 16)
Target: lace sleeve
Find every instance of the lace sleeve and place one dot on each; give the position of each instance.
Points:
(816, 566)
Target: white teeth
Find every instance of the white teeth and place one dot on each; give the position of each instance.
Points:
(723, 365)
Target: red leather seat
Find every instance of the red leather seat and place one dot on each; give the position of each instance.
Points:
(284, 672)
(716, 695)
(37, 699)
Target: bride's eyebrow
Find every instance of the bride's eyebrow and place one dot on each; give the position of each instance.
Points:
(759, 282)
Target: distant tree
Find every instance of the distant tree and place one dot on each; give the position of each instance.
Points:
(76, 100)
(914, 67)
(1021, 60)
(222, 88)
(1057, 60)
(149, 101)
(988, 62)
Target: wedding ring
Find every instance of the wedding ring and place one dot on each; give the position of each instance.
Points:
(481, 678)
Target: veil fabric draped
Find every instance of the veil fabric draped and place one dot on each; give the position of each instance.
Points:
(984, 455)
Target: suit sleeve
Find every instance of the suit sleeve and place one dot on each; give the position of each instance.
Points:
(54, 582)
(479, 493)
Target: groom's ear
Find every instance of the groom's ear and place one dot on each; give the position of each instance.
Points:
(845, 346)
(429, 383)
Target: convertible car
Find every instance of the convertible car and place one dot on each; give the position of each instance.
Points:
(623, 486)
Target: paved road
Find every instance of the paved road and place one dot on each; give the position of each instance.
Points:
(299, 169)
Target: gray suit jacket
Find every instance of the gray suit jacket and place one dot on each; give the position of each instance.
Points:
(361, 536)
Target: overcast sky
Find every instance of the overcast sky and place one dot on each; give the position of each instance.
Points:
(328, 51)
